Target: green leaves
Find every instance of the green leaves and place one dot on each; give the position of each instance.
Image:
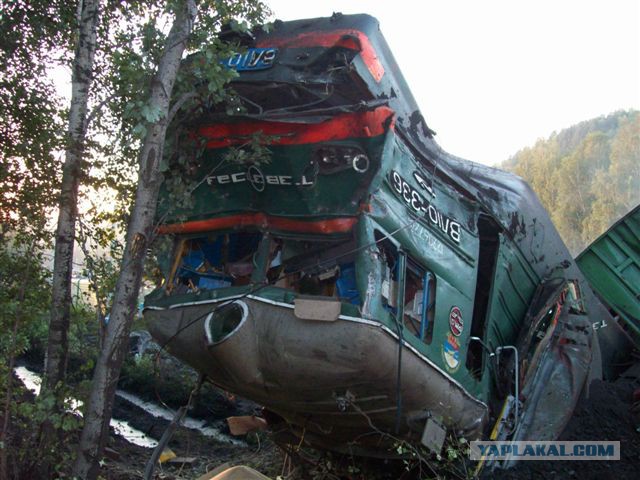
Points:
(586, 176)
(37, 35)
(253, 152)
(31, 120)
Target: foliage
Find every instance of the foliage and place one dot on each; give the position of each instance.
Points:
(39, 36)
(587, 176)
(22, 304)
(27, 413)
(36, 37)
(406, 460)
(451, 462)
(23, 297)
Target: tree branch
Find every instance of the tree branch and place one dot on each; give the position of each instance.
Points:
(178, 105)
(96, 109)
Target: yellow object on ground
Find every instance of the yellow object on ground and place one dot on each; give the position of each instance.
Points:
(239, 472)
(167, 454)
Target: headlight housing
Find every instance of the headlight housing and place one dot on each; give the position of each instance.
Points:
(337, 158)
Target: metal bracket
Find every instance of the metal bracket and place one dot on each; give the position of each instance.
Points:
(433, 435)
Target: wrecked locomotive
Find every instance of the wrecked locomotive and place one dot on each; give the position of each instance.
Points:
(362, 284)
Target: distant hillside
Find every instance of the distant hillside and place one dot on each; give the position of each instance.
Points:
(587, 176)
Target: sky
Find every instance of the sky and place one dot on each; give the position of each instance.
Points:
(491, 77)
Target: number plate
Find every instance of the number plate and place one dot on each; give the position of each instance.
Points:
(253, 59)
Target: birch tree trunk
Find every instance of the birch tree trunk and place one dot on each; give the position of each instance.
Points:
(140, 229)
(58, 345)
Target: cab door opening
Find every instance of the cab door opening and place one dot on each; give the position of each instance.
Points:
(489, 243)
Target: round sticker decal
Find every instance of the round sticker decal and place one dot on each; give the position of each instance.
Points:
(455, 321)
(451, 353)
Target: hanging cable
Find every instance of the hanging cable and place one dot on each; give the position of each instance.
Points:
(400, 274)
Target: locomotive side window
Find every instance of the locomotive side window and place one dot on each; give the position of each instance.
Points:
(418, 285)
(420, 301)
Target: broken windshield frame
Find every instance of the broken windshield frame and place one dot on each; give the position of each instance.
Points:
(305, 266)
(305, 81)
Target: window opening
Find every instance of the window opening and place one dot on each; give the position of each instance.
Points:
(419, 290)
(420, 296)
(389, 256)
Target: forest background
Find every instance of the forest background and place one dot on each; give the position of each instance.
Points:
(587, 176)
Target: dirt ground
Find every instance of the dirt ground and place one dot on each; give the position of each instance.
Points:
(607, 414)
(126, 461)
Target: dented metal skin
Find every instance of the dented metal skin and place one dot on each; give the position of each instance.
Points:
(331, 380)
(435, 267)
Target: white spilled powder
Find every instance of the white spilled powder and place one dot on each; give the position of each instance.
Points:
(32, 381)
(166, 414)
